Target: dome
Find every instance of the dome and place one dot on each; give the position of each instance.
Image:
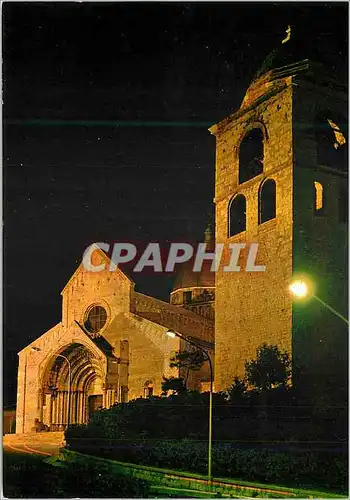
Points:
(185, 276)
(295, 55)
(294, 48)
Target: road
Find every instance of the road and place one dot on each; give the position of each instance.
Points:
(30, 444)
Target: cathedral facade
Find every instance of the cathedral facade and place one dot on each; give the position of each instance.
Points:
(109, 347)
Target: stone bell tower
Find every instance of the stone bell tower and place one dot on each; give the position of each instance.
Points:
(281, 182)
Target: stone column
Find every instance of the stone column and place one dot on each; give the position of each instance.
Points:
(54, 410)
(79, 394)
(73, 410)
(50, 410)
(78, 407)
(60, 408)
(110, 399)
(83, 408)
(114, 396)
(104, 398)
(46, 409)
(65, 399)
(63, 411)
(57, 404)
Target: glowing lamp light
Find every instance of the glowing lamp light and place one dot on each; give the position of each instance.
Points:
(171, 334)
(299, 289)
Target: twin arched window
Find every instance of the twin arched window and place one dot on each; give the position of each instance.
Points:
(251, 155)
(267, 208)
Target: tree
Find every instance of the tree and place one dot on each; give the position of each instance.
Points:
(175, 384)
(187, 361)
(237, 391)
(270, 369)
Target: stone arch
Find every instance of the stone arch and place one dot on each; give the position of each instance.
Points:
(267, 201)
(237, 219)
(72, 386)
(251, 151)
(252, 124)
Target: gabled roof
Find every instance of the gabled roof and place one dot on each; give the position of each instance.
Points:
(101, 344)
(106, 259)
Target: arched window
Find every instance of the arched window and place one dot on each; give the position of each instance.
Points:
(237, 215)
(318, 198)
(251, 155)
(267, 201)
(331, 139)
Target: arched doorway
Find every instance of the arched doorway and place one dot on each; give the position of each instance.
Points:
(72, 387)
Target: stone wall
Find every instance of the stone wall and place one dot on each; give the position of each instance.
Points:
(178, 318)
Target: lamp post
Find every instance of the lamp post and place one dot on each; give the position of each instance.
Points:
(173, 334)
(300, 289)
(37, 349)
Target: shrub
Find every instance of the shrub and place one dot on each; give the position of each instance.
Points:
(308, 470)
(172, 433)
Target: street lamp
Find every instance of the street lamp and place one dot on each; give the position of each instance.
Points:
(37, 349)
(173, 334)
(301, 289)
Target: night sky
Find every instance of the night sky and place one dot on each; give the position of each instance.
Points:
(106, 111)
